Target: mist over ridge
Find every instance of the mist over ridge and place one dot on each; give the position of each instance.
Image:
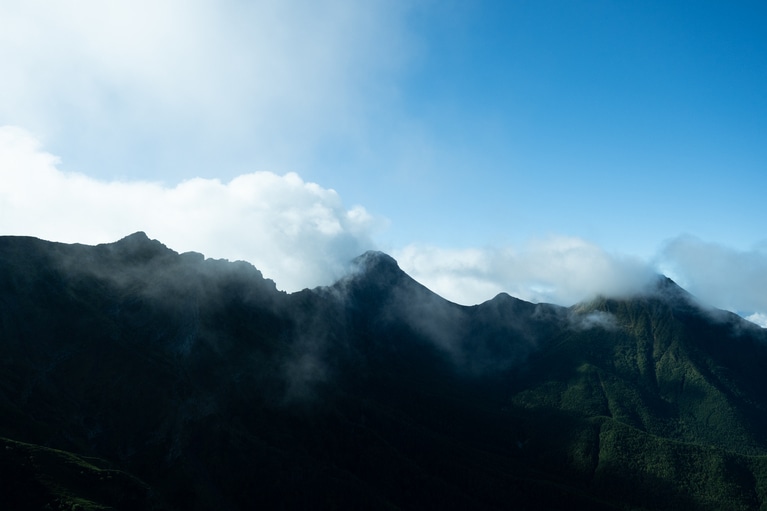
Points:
(301, 234)
(380, 265)
(640, 280)
(193, 381)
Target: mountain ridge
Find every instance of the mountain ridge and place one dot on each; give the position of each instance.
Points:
(140, 246)
(202, 381)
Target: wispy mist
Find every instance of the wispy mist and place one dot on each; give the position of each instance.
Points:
(593, 319)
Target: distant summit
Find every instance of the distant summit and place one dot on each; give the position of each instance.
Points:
(377, 273)
(374, 258)
(137, 248)
(136, 237)
(667, 288)
(375, 264)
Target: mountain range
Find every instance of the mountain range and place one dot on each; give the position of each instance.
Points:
(135, 377)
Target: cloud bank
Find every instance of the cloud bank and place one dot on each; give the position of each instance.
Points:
(560, 270)
(565, 270)
(297, 233)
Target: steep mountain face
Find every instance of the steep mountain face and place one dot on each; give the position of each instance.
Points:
(134, 377)
(667, 396)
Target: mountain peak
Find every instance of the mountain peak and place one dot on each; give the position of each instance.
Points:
(374, 273)
(665, 283)
(138, 236)
(376, 266)
(669, 291)
(138, 247)
(373, 259)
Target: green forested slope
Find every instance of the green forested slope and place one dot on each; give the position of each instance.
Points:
(666, 400)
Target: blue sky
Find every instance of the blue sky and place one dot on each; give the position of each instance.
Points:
(549, 149)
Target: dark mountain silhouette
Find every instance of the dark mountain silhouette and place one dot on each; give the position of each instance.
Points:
(133, 377)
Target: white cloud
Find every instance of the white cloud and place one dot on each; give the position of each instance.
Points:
(565, 270)
(174, 77)
(561, 270)
(758, 318)
(295, 232)
(724, 277)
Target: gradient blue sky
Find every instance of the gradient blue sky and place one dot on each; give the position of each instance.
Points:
(604, 139)
(622, 122)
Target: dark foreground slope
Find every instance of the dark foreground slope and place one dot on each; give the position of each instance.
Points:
(132, 377)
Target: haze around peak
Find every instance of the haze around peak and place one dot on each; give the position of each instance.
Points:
(552, 153)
